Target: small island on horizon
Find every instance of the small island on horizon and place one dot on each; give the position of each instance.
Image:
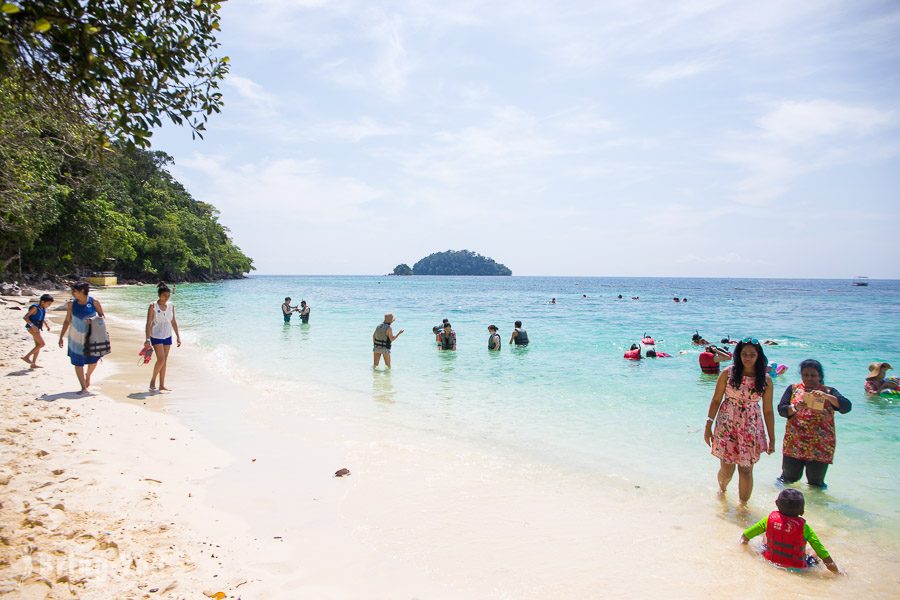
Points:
(454, 262)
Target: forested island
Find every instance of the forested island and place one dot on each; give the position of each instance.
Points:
(81, 89)
(454, 262)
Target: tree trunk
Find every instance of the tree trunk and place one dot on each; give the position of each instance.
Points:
(7, 261)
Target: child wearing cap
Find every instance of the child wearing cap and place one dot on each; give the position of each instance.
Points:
(875, 382)
(787, 534)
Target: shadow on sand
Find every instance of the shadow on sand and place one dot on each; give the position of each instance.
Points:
(142, 395)
(19, 373)
(63, 396)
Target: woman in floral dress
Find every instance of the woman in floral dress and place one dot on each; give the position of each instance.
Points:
(809, 436)
(740, 437)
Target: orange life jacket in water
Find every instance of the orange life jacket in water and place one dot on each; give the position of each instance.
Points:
(633, 355)
(785, 544)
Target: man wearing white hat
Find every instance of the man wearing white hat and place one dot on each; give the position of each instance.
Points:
(382, 340)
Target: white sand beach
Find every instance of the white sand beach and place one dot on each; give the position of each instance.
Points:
(120, 495)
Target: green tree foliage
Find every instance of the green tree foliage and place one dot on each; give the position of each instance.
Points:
(123, 64)
(402, 269)
(75, 72)
(35, 146)
(459, 262)
(130, 209)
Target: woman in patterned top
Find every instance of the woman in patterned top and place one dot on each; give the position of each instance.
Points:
(740, 436)
(809, 436)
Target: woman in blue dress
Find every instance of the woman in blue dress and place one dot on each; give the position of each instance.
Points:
(82, 308)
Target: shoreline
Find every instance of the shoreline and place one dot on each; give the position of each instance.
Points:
(98, 498)
(420, 515)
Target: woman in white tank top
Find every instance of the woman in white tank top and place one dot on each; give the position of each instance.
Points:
(160, 325)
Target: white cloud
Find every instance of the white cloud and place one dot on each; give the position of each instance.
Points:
(280, 190)
(260, 101)
(806, 122)
(355, 131)
(794, 138)
(673, 72)
(392, 67)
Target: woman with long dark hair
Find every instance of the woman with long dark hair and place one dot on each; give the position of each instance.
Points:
(739, 438)
(161, 323)
(809, 436)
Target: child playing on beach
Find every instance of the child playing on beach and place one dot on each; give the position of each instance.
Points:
(34, 322)
(787, 534)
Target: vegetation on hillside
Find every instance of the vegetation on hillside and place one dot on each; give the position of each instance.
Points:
(402, 269)
(459, 262)
(82, 83)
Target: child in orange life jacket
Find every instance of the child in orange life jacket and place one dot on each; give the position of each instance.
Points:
(787, 534)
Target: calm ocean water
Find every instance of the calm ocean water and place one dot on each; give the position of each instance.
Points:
(570, 397)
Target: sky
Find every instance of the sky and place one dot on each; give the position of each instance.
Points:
(705, 138)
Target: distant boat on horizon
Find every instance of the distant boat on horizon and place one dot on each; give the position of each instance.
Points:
(859, 281)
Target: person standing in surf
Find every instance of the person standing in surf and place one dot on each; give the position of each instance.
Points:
(382, 340)
(161, 323)
(494, 342)
(809, 435)
(304, 312)
(78, 311)
(519, 335)
(743, 430)
(287, 310)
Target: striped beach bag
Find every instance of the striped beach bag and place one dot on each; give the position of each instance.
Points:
(96, 343)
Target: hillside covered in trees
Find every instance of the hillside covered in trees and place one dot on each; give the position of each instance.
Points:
(457, 262)
(82, 85)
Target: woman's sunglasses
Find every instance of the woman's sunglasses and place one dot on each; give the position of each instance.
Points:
(753, 341)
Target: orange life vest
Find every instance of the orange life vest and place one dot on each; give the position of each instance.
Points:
(785, 544)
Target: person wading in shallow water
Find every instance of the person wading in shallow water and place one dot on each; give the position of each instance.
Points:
(287, 310)
(382, 340)
(740, 437)
(494, 342)
(304, 311)
(448, 338)
(809, 435)
(519, 336)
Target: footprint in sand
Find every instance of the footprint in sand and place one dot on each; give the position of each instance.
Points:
(110, 549)
(32, 523)
(42, 453)
(58, 471)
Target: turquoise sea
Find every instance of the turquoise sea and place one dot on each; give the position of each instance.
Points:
(569, 397)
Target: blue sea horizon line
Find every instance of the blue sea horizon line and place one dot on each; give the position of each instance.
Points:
(685, 277)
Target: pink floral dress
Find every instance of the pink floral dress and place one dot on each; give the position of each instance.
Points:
(740, 433)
